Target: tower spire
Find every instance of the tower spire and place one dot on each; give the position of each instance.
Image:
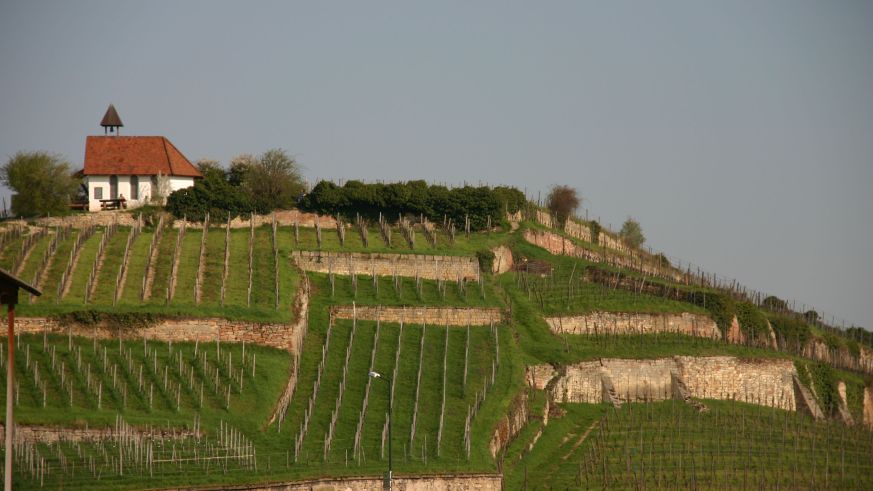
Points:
(111, 122)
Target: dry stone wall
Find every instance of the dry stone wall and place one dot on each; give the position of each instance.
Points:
(613, 243)
(763, 382)
(544, 219)
(54, 434)
(432, 482)
(577, 230)
(635, 323)
(430, 267)
(441, 316)
(128, 218)
(284, 218)
(583, 232)
(559, 245)
(283, 336)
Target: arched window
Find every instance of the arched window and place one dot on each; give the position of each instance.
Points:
(134, 187)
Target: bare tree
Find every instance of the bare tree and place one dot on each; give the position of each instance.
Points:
(160, 189)
(562, 202)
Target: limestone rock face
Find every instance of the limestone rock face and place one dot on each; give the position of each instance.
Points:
(764, 382)
(502, 260)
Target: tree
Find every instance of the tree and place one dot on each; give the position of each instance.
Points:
(631, 233)
(562, 202)
(272, 181)
(240, 167)
(43, 183)
(209, 166)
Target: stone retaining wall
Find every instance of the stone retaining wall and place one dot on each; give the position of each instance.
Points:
(440, 316)
(544, 218)
(53, 434)
(635, 323)
(559, 245)
(763, 382)
(284, 218)
(128, 218)
(432, 482)
(281, 336)
(613, 243)
(582, 231)
(577, 230)
(430, 267)
(510, 424)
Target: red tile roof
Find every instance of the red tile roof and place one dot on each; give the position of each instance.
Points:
(135, 155)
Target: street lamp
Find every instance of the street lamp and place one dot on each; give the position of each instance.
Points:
(388, 476)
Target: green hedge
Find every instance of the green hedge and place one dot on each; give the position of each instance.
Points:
(111, 319)
(415, 198)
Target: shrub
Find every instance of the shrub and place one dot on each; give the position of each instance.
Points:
(790, 330)
(824, 381)
(752, 322)
(214, 195)
(486, 260)
(775, 304)
(720, 306)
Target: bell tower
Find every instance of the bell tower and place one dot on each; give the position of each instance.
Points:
(111, 122)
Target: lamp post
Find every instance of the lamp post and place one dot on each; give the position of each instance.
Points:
(388, 476)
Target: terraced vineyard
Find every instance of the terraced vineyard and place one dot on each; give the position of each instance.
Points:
(295, 400)
(670, 445)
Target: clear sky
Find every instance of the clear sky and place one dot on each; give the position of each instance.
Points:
(739, 134)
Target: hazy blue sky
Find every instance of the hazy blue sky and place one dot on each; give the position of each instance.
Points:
(739, 134)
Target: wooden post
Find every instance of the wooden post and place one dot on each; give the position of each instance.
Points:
(10, 382)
